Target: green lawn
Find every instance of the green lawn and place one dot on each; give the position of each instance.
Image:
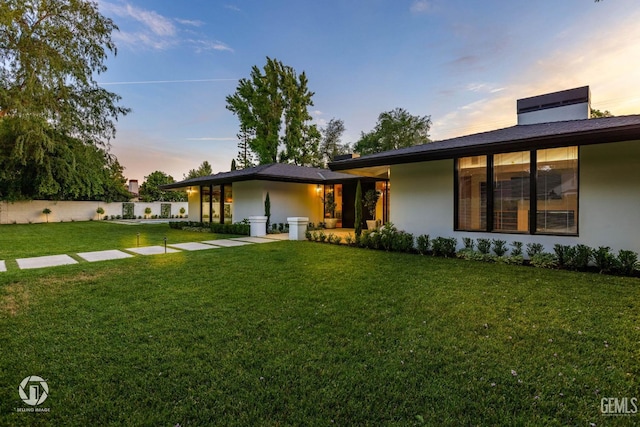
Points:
(299, 333)
(30, 240)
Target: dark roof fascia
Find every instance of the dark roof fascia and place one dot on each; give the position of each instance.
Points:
(589, 137)
(211, 180)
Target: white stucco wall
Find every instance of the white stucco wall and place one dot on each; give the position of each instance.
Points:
(287, 200)
(31, 211)
(609, 205)
(610, 195)
(422, 197)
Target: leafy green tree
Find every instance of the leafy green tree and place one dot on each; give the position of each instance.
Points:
(50, 52)
(150, 189)
(596, 114)
(331, 145)
(204, 169)
(272, 107)
(245, 154)
(115, 188)
(395, 129)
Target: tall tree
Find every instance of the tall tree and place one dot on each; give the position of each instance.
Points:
(331, 145)
(150, 189)
(233, 164)
(395, 129)
(204, 169)
(50, 52)
(245, 155)
(272, 107)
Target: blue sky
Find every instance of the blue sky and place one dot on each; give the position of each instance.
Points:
(464, 63)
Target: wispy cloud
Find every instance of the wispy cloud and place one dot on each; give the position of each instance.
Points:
(205, 45)
(149, 82)
(193, 23)
(232, 7)
(421, 6)
(211, 138)
(484, 88)
(148, 29)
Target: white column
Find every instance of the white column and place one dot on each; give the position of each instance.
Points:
(297, 227)
(258, 225)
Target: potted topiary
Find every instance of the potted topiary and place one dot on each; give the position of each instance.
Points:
(100, 211)
(147, 212)
(182, 211)
(330, 208)
(371, 202)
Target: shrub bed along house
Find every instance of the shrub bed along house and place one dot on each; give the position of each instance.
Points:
(578, 258)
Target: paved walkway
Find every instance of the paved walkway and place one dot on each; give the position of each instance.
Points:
(64, 259)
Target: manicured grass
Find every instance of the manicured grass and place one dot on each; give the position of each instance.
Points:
(30, 240)
(297, 333)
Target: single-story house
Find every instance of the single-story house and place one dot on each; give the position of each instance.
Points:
(294, 191)
(558, 176)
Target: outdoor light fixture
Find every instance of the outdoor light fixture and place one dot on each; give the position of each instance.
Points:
(318, 188)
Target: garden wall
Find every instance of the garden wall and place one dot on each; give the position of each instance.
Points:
(31, 211)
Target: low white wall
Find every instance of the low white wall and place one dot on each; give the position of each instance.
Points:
(31, 211)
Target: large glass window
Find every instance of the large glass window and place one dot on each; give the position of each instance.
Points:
(557, 190)
(508, 204)
(206, 204)
(511, 186)
(472, 193)
(228, 204)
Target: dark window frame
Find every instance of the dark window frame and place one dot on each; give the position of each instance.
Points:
(533, 199)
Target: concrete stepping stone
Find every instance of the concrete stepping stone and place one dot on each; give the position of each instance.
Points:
(3, 266)
(225, 243)
(104, 255)
(151, 250)
(254, 239)
(193, 246)
(45, 261)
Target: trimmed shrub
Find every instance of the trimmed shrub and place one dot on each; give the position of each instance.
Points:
(516, 249)
(349, 240)
(581, 257)
(468, 243)
(499, 247)
(604, 259)
(627, 262)
(544, 260)
(444, 246)
(423, 243)
(484, 246)
(534, 249)
(564, 254)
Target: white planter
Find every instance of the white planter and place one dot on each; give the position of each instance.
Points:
(297, 227)
(330, 222)
(258, 226)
